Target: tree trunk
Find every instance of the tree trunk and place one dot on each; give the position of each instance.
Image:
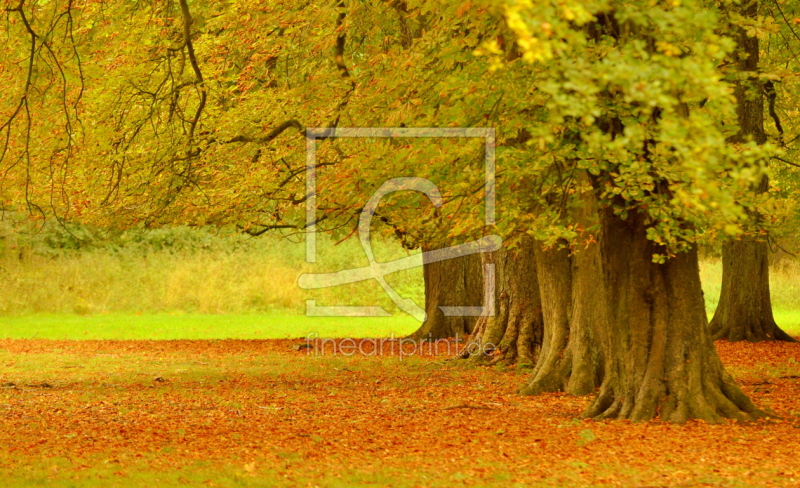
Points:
(744, 311)
(452, 282)
(573, 300)
(514, 333)
(574, 306)
(660, 358)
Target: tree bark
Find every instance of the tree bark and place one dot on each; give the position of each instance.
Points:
(574, 306)
(514, 333)
(744, 311)
(452, 282)
(660, 357)
(553, 313)
(572, 289)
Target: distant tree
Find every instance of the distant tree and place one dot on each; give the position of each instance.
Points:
(744, 311)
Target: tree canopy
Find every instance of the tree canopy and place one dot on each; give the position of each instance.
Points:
(163, 112)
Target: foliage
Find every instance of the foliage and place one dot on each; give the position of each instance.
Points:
(195, 115)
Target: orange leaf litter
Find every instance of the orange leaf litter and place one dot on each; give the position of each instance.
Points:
(362, 413)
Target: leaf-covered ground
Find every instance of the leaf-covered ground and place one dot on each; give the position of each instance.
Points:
(260, 413)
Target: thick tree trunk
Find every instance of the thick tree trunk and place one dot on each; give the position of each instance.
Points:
(660, 357)
(554, 312)
(744, 312)
(452, 282)
(514, 333)
(574, 306)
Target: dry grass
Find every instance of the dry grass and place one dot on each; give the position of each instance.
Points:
(257, 277)
(195, 272)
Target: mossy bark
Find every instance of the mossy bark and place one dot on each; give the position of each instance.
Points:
(574, 306)
(659, 354)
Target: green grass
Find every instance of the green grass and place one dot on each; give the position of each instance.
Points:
(120, 326)
(241, 321)
(783, 283)
(245, 322)
(788, 320)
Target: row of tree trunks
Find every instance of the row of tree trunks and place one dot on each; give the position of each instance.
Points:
(609, 317)
(550, 306)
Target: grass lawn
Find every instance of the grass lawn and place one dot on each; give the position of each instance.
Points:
(789, 320)
(119, 326)
(258, 413)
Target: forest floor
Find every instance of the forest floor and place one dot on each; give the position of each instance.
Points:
(262, 413)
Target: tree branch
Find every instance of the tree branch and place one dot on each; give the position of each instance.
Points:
(270, 136)
(787, 162)
(187, 37)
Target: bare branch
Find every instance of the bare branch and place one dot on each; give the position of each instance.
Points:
(187, 36)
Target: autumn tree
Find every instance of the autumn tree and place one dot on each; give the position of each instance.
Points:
(621, 100)
(744, 311)
(623, 105)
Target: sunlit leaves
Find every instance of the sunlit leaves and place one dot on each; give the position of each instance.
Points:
(636, 94)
